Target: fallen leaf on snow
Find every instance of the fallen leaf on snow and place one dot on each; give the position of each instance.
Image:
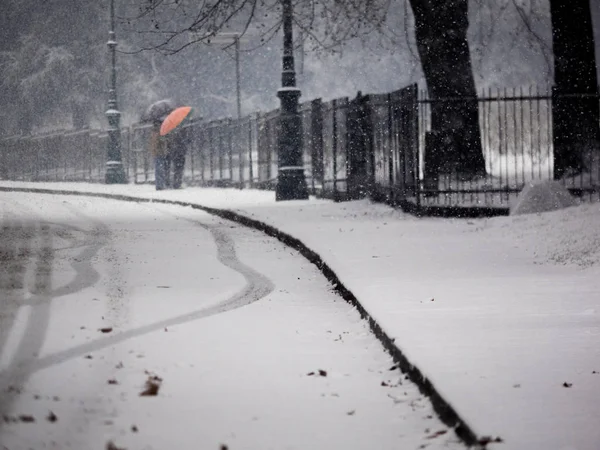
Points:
(106, 329)
(436, 434)
(484, 440)
(110, 445)
(152, 386)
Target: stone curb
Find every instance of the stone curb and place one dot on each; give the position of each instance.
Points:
(444, 410)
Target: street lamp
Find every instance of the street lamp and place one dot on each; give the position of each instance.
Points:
(114, 166)
(291, 184)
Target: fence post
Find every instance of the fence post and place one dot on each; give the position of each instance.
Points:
(211, 156)
(334, 146)
(357, 147)
(203, 155)
(250, 162)
(415, 145)
(229, 127)
(317, 142)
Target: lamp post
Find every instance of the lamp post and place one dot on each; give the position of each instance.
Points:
(291, 184)
(115, 174)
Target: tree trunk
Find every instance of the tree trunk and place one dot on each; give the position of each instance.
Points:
(441, 34)
(575, 118)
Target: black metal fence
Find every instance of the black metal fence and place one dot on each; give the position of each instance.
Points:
(519, 142)
(374, 145)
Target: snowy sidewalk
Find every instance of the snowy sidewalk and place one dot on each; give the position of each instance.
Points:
(502, 315)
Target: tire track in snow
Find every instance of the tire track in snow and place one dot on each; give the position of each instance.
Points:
(39, 297)
(257, 287)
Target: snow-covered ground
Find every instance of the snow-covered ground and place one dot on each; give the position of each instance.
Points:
(501, 314)
(253, 348)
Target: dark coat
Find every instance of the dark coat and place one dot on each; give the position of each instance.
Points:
(177, 142)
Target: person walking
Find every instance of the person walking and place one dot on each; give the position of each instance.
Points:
(177, 148)
(159, 151)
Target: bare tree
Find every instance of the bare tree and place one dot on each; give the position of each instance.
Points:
(171, 26)
(441, 34)
(34, 73)
(50, 68)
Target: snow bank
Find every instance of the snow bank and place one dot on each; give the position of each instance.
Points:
(537, 197)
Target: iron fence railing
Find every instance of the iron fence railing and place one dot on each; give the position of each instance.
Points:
(376, 145)
(516, 141)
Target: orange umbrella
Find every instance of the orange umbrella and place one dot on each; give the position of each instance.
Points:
(174, 119)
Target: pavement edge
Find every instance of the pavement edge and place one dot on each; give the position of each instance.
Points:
(443, 408)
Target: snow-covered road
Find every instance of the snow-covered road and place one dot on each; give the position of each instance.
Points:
(251, 348)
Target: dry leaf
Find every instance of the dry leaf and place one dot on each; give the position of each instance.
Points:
(436, 434)
(110, 445)
(152, 386)
(484, 440)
